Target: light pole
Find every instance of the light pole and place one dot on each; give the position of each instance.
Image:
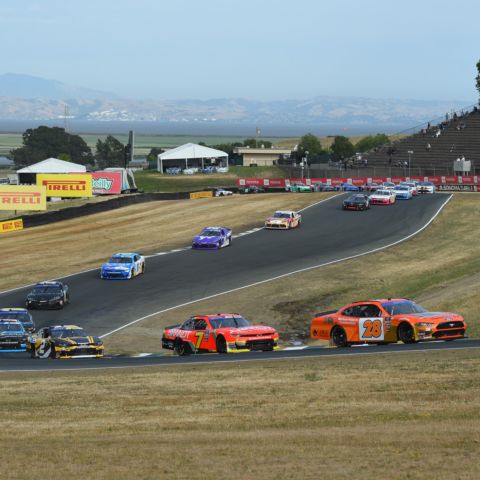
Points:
(306, 163)
(410, 153)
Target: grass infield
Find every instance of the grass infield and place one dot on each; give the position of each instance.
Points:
(387, 416)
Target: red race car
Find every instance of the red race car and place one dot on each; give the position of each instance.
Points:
(221, 333)
(385, 321)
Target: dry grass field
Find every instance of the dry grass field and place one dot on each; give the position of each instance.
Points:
(373, 417)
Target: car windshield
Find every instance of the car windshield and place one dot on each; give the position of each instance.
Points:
(11, 327)
(50, 289)
(68, 332)
(281, 215)
(402, 307)
(382, 193)
(358, 198)
(229, 322)
(210, 232)
(22, 316)
(120, 260)
(401, 188)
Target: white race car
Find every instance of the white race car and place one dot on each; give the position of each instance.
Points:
(382, 197)
(283, 220)
(387, 186)
(426, 187)
(220, 192)
(412, 186)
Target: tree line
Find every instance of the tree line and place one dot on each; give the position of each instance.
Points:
(44, 142)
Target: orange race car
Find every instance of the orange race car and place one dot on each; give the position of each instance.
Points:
(221, 333)
(385, 321)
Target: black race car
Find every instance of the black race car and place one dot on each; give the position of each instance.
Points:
(64, 341)
(252, 189)
(20, 314)
(48, 295)
(356, 202)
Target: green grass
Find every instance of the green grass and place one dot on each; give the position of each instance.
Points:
(152, 181)
(143, 143)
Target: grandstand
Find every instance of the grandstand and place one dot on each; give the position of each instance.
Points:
(434, 149)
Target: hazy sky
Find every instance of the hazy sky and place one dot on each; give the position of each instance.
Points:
(256, 49)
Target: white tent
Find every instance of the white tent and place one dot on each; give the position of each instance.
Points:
(189, 151)
(53, 165)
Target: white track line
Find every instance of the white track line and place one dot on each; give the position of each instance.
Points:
(238, 358)
(332, 262)
(155, 254)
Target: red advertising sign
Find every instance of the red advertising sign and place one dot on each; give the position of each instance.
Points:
(280, 182)
(106, 183)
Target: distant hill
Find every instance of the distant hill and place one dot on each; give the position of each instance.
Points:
(28, 86)
(24, 97)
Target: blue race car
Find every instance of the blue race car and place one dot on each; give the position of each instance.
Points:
(348, 187)
(212, 238)
(13, 337)
(123, 266)
(403, 192)
(20, 314)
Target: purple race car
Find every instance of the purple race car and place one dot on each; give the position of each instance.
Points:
(212, 238)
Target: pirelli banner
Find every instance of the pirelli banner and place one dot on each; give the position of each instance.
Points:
(11, 225)
(22, 197)
(194, 195)
(66, 184)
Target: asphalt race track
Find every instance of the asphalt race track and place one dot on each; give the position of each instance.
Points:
(327, 234)
(24, 363)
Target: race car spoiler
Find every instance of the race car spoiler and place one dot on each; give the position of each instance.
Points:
(328, 312)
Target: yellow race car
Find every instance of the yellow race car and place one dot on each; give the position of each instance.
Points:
(64, 341)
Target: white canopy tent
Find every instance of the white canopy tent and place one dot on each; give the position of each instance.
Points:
(190, 151)
(53, 165)
(50, 165)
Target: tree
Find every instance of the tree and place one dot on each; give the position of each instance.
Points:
(154, 152)
(311, 144)
(110, 153)
(370, 142)
(342, 148)
(257, 143)
(477, 78)
(45, 142)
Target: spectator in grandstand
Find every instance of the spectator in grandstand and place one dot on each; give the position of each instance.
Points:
(428, 147)
(438, 133)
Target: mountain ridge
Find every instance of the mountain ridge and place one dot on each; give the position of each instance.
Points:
(50, 97)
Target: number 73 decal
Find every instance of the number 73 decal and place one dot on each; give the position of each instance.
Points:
(371, 329)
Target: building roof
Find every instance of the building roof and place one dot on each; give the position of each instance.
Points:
(263, 151)
(191, 150)
(53, 165)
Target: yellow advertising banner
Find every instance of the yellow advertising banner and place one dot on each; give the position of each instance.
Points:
(11, 225)
(66, 184)
(201, 194)
(22, 197)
